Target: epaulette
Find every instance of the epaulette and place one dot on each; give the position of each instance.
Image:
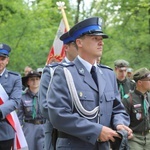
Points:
(104, 66)
(14, 73)
(54, 64)
(65, 64)
(126, 96)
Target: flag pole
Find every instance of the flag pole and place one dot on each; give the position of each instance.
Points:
(61, 6)
(58, 44)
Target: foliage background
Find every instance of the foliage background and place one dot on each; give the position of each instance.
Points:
(30, 29)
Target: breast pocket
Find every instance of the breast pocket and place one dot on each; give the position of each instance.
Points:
(137, 111)
(109, 97)
(28, 107)
(87, 99)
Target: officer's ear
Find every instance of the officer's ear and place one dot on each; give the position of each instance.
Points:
(79, 42)
(7, 60)
(66, 47)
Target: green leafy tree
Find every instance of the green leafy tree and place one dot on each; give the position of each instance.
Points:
(30, 29)
(128, 25)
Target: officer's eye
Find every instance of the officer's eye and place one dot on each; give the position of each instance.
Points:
(96, 38)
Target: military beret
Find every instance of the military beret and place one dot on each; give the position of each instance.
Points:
(141, 74)
(30, 74)
(91, 26)
(66, 38)
(121, 63)
(4, 50)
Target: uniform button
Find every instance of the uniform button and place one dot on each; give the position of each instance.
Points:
(101, 114)
(88, 137)
(100, 101)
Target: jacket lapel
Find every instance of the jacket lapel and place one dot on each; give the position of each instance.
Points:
(87, 78)
(4, 77)
(101, 81)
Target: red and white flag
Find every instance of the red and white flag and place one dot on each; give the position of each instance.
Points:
(57, 52)
(20, 141)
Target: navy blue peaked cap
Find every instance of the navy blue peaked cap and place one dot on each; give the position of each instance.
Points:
(92, 26)
(4, 50)
(66, 38)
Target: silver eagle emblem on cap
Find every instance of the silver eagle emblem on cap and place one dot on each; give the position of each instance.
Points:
(100, 21)
(1, 46)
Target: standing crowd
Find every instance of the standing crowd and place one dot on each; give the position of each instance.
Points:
(78, 103)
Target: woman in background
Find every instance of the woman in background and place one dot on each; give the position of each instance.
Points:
(29, 113)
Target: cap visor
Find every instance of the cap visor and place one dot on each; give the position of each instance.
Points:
(101, 34)
(3, 55)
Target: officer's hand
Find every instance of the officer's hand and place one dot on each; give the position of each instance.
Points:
(108, 134)
(123, 127)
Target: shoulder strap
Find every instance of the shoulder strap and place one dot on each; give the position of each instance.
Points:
(75, 99)
(51, 70)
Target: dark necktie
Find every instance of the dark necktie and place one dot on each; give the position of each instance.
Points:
(94, 75)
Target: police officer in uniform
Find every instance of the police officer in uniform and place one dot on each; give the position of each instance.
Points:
(71, 53)
(137, 104)
(124, 84)
(29, 113)
(90, 118)
(11, 82)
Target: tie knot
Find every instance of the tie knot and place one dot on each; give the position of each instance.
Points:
(93, 69)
